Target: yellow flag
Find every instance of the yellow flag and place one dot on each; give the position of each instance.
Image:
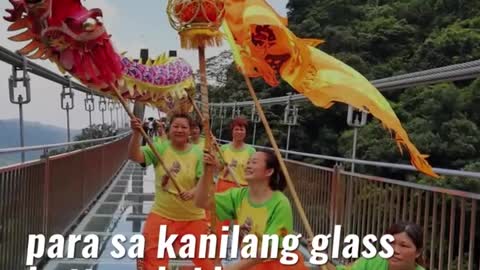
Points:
(265, 47)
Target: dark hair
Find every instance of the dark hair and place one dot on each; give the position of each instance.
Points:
(197, 123)
(239, 121)
(277, 180)
(181, 115)
(414, 232)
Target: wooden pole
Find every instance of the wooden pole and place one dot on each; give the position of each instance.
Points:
(209, 170)
(290, 185)
(147, 138)
(215, 144)
(139, 108)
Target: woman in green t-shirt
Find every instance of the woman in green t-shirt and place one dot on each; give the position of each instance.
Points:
(171, 208)
(195, 135)
(261, 207)
(407, 246)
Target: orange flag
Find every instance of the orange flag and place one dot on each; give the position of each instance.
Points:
(263, 46)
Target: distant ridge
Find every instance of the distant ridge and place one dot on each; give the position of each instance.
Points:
(36, 133)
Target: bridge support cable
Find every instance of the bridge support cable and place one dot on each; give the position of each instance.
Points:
(463, 71)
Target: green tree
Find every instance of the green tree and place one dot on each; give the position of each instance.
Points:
(380, 39)
(456, 43)
(456, 182)
(93, 132)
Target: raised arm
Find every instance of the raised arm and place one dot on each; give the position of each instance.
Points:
(202, 198)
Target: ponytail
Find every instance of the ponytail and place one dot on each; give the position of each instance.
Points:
(277, 180)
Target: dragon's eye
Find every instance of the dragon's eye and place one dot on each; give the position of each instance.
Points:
(89, 24)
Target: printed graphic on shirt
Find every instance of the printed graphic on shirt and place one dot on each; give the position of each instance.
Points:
(232, 165)
(186, 168)
(174, 170)
(237, 160)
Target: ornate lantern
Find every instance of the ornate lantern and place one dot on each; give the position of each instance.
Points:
(197, 21)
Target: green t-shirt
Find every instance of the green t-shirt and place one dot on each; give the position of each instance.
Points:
(376, 263)
(201, 143)
(159, 140)
(271, 217)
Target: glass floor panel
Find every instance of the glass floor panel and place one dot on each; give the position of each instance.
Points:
(122, 209)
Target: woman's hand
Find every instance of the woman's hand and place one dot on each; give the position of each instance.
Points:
(187, 195)
(309, 244)
(246, 228)
(136, 124)
(210, 160)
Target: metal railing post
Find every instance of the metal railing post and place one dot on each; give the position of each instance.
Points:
(83, 159)
(337, 197)
(213, 113)
(67, 105)
(111, 108)
(102, 106)
(46, 192)
(117, 108)
(20, 100)
(235, 111)
(356, 121)
(222, 116)
(290, 119)
(89, 107)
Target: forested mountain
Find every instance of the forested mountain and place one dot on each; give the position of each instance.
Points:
(381, 39)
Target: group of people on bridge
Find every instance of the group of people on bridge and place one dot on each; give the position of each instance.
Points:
(249, 192)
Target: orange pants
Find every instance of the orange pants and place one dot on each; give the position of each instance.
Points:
(151, 231)
(224, 185)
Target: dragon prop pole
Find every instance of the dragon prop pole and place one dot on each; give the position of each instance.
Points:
(214, 143)
(290, 184)
(209, 170)
(76, 40)
(147, 139)
(198, 23)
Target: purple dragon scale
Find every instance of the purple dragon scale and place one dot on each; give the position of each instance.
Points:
(163, 75)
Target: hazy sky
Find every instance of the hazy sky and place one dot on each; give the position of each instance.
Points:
(132, 24)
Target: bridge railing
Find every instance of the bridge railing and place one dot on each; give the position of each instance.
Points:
(378, 164)
(49, 195)
(366, 205)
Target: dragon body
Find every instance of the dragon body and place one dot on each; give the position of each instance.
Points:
(76, 40)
